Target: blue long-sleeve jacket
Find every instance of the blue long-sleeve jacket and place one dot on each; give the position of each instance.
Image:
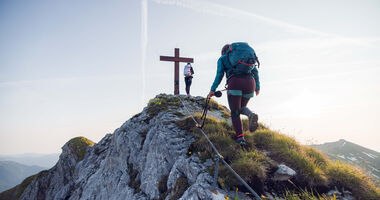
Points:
(224, 66)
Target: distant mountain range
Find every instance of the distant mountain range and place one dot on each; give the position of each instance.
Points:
(12, 173)
(367, 159)
(43, 160)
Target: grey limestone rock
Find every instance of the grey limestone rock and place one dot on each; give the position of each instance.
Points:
(283, 173)
(344, 195)
(129, 163)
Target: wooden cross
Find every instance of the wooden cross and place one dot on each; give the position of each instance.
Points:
(176, 59)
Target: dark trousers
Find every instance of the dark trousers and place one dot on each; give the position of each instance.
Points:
(188, 80)
(240, 91)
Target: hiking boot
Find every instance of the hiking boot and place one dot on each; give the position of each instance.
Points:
(253, 125)
(252, 118)
(241, 141)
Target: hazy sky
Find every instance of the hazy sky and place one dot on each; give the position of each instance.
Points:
(71, 68)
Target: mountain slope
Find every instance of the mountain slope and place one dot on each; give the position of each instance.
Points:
(12, 173)
(160, 154)
(43, 160)
(354, 154)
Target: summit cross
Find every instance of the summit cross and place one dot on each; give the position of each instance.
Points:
(176, 59)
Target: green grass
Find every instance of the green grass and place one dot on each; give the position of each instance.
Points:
(353, 178)
(314, 170)
(162, 103)
(78, 145)
(251, 164)
(218, 132)
(24, 184)
(305, 195)
(284, 149)
(296, 195)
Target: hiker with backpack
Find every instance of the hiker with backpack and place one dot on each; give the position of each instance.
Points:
(239, 61)
(188, 73)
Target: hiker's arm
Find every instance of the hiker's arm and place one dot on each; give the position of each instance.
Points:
(255, 73)
(219, 75)
(191, 70)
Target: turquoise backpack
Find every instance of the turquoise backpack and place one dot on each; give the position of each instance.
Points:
(242, 58)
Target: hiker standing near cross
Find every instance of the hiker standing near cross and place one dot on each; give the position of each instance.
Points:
(176, 59)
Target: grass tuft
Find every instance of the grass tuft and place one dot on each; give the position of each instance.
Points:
(251, 166)
(162, 103)
(305, 195)
(352, 178)
(284, 149)
(78, 146)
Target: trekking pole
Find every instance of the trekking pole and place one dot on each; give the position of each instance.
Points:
(220, 157)
(204, 114)
(205, 109)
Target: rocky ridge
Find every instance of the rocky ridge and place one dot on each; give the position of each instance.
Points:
(146, 158)
(152, 148)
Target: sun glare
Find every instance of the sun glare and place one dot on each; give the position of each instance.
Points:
(306, 104)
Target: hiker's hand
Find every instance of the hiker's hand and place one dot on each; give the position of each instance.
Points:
(211, 94)
(257, 92)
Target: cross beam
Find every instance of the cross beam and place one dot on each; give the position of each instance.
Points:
(176, 59)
